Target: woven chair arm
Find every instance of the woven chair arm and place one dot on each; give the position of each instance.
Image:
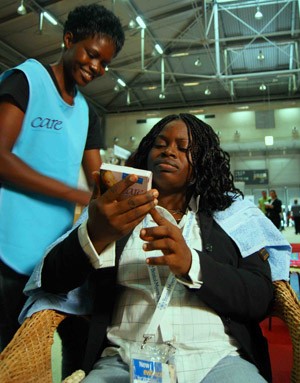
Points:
(27, 358)
(287, 308)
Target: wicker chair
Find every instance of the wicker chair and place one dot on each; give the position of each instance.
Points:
(27, 358)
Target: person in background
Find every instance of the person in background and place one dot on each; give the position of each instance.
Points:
(262, 201)
(274, 209)
(47, 130)
(295, 210)
(191, 247)
(288, 216)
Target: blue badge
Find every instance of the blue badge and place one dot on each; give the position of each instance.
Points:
(146, 371)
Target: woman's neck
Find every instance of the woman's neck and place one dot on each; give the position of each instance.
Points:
(173, 203)
(67, 90)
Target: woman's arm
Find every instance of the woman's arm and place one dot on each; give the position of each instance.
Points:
(67, 266)
(231, 285)
(14, 171)
(242, 292)
(91, 162)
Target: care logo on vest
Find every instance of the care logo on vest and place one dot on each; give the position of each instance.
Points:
(46, 123)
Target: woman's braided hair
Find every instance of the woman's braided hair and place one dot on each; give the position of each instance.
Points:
(212, 178)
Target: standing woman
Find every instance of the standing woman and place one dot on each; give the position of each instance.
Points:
(274, 209)
(47, 130)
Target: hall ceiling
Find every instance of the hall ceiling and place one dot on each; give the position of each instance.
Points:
(224, 36)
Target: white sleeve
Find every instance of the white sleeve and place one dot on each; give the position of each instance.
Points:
(194, 276)
(107, 257)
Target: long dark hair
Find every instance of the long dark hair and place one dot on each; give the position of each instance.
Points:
(213, 180)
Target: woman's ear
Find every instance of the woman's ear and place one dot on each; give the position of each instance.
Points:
(68, 39)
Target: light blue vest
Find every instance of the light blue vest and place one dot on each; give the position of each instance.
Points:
(52, 142)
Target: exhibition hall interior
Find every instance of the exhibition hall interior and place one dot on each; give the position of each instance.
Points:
(233, 64)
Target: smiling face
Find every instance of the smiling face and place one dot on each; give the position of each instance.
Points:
(87, 59)
(168, 158)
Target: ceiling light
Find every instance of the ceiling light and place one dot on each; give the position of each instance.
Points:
(21, 9)
(260, 56)
(269, 140)
(116, 88)
(295, 132)
(237, 134)
(198, 62)
(195, 111)
(162, 96)
(262, 87)
(140, 22)
(151, 87)
(128, 101)
(179, 54)
(121, 82)
(50, 18)
(207, 91)
(158, 49)
(258, 15)
(132, 24)
(191, 83)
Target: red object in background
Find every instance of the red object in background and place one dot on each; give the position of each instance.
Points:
(280, 349)
(295, 247)
(295, 256)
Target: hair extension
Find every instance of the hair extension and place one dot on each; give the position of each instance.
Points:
(213, 180)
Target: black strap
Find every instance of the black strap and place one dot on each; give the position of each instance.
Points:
(104, 283)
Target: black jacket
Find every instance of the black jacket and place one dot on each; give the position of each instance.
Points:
(239, 289)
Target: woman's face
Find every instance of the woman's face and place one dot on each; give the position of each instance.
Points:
(272, 194)
(168, 158)
(87, 59)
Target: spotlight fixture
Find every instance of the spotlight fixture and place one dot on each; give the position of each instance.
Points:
(21, 9)
(258, 15)
(295, 132)
(260, 56)
(262, 87)
(132, 24)
(237, 135)
(162, 96)
(198, 62)
(207, 91)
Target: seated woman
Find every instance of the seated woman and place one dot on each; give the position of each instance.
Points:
(179, 275)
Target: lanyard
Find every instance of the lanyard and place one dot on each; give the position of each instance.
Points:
(163, 296)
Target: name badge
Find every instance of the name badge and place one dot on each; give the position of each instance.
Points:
(148, 371)
(153, 364)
